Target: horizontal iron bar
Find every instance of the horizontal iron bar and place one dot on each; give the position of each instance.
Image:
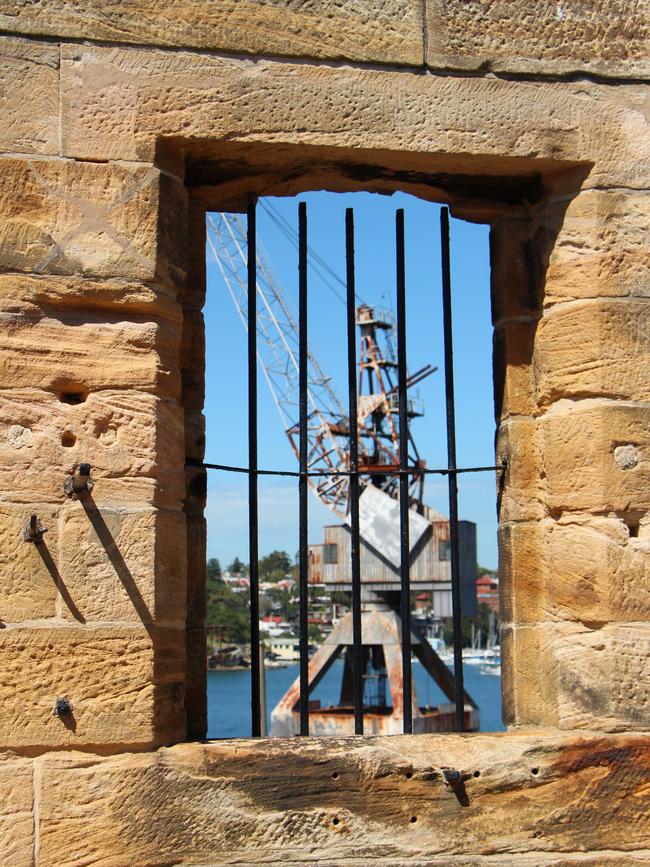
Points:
(318, 473)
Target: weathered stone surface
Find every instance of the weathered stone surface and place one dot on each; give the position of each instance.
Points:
(96, 219)
(28, 573)
(514, 372)
(89, 348)
(521, 494)
(607, 38)
(353, 799)
(123, 565)
(52, 295)
(594, 245)
(597, 246)
(192, 361)
(365, 30)
(132, 440)
(594, 349)
(125, 685)
(564, 461)
(579, 675)
(29, 97)
(117, 102)
(581, 470)
(580, 567)
(16, 811)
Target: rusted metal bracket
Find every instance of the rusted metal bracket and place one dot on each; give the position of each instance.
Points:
(78, 483)
(33, 530)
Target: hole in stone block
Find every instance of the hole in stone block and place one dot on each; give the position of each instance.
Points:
(68, 439)
(73, 394)
(534, 771)
(414, 819)
(335, 775)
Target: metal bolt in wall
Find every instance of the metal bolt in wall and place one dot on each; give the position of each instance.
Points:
(78, 483)
(33, 530)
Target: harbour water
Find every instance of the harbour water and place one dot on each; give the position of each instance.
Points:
(229, 696)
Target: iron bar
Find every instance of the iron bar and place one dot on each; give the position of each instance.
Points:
(303, 542)
(253, 552)
(452, 477)
(355, 544)
(405, 590)
(411, 471)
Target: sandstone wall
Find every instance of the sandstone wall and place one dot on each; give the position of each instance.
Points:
(121, 123)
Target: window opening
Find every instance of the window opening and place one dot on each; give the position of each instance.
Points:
(359, 462)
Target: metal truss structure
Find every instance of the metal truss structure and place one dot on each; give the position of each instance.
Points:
(328, 424)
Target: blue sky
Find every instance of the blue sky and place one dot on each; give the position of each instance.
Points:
(226, 396)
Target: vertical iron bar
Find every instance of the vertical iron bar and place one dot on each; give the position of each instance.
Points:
(302, 481)
(253, 553)
(451, 465)
(357, 649)
(405, 578)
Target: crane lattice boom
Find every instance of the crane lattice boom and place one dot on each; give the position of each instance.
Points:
(277, 351)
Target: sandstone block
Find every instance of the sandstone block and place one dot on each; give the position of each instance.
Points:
(522, 490)
(577, 675)
(192, 360)
(125, 685)
(16, 811)
(193, 293)
(133, 441)
(519, 251)
(117, 103)
(514, 374)
(95, 219)
(599, 246)
(610, 39)
(569, 459)
(548, 795)
(580, 459)
(28, 571)
(579, 568)
(194, 435)
(89, 350)
(594, 349)
(124, 565)
(29, 100)
(365, 30)
(54, 295)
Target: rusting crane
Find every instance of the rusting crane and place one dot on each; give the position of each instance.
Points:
(328, 424)
(328, 452)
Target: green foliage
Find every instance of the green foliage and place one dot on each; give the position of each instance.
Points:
(237, 567)
(228, 612)
(314, 634)
(275, 566)
(213, 569)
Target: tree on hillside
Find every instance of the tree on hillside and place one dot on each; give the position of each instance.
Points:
(213, 569)
(275, 566)
(237, 566)
(228, 611)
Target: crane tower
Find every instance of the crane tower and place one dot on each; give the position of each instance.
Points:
(328, 433)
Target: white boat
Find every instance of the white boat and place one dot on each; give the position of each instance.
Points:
(493, 668)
